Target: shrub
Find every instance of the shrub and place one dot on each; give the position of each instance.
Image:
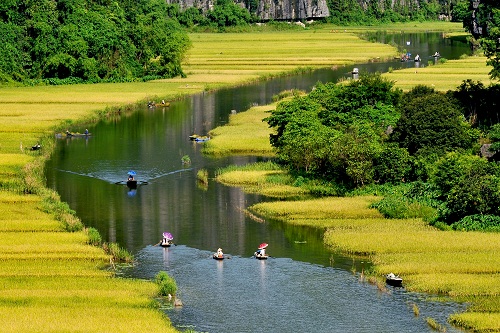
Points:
(118, 253)
(166, 284)
(186, 159)
(478, 222)
(94, 237)
(202, 176)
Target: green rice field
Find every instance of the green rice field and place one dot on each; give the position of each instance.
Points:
(53, 281)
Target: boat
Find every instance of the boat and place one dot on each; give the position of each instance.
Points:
(167, 240)
(132, 184)
(261, 252)
(218, 257)
(202, 139)
(394, 280)
(72, 135)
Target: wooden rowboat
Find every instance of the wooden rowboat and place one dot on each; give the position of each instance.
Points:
(166, 243)
(261, 257)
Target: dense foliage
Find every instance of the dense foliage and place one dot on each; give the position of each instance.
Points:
(369, 12)
(365, 132)
(85, 40)
(483, 21)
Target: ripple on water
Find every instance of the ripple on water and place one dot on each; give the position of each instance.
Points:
(242, 294)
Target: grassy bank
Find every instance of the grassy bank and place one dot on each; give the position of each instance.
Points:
(52, 280)
(463, 266)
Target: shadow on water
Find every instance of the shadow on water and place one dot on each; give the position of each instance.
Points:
(303, 286)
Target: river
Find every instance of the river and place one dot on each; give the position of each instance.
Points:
(302, 287)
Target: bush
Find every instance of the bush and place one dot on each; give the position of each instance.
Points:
(117, 253)
(94, 237)
(166, 284)
(478, 222)
(416, 200)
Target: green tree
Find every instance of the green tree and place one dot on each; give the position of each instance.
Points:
(460, 11)
(393, 164)
(371, 98)
(450, 168)
(91, 40)
(354, 153)
(494, 136)
(307, 142)
(432, 121)
(226, 13)
(284, 113)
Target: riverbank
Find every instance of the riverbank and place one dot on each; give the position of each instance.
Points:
(55, 276)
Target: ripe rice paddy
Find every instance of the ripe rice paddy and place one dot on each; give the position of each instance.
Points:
(52, 281)
(444, 76)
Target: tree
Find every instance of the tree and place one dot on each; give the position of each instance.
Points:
(460, 11)
(392, 165)
(307, 142)
(479, 103)
(432, 121)
(371, 99)
(354, 153)
(284, 113)
(90, 40)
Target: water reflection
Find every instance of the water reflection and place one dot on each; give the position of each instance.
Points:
(243, 294)
(304, 287)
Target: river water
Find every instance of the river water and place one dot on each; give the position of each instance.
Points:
(302, 287)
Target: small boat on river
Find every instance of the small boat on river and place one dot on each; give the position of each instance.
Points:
(167, 240)
(199, 138)
(68, 134)
(132, 183)
(261, 256)
(218, 255)
(261, 252)
(394, 280)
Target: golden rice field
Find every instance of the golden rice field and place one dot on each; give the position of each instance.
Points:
(251, 132)
(445, 76)
(51, 280)
(462, 265)
(259, 182)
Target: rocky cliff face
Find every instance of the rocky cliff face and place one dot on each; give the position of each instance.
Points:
(292, 9)
(272, 9)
